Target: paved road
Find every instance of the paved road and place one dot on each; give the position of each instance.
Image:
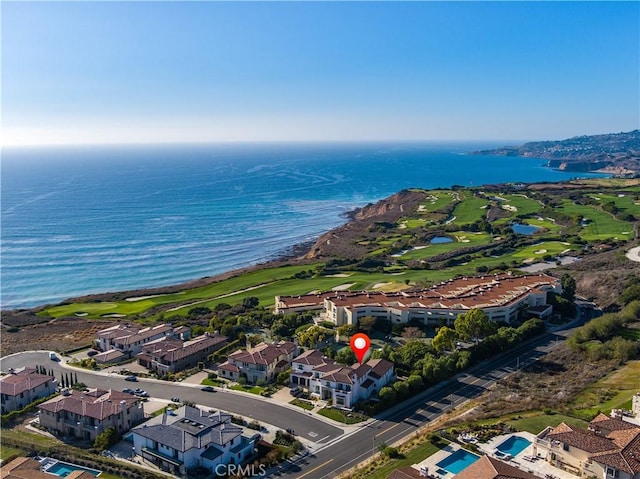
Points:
(339, 455)
(304, 424)
(330, 461)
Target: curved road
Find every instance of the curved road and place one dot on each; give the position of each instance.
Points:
(304, 424)
(339, 452)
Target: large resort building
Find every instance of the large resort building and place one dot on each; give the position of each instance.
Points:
(502, 297)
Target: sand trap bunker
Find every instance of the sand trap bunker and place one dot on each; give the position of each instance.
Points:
(634, 254)
(540, 251)
(342, 287)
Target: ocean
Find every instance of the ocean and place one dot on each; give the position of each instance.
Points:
(95, 219)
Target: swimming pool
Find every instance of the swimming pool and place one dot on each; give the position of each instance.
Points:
(63, 469)
(457, 461)
(514, 445)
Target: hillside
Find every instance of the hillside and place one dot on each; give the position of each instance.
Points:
(613, 152)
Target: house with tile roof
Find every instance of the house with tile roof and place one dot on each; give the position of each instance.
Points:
(128, 339)
(23, 386)
(609, 448)
(260, 364)
(168, 355)
(343, 385)
(28, 468)
(502, 297)
(488, 467)
(86, 414)
(190, 437)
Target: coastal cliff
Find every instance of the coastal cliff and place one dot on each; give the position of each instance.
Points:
(616, 153)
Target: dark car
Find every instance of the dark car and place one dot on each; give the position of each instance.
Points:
(208, 389)
(128, 391)
(92, 352)
(131, 378)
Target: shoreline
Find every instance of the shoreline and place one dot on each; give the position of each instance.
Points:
(297, 254)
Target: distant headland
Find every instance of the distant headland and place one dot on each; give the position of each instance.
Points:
(614, 153)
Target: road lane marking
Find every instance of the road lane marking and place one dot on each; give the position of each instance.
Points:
(315, 469)
(387, 429)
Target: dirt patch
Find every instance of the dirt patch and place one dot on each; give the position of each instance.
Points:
(57, 335)
(549, 383)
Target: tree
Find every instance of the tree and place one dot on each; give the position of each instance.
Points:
(250, 303)
(568, 284)
(473, 325)
(347, 330)
(346, 356)
(445, 339)
(106, 439)
(367, 323)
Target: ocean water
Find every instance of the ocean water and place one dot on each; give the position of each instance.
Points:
(97, 219)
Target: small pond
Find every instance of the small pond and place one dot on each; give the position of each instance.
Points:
(523, 228)
(441, 239)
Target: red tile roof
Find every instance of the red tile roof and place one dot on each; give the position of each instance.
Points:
(96, 403)
(263, 353)
(18, 382)
(460, 293)
(490, 468)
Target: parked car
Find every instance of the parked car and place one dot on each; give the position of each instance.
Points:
(141, 392)
(53, 356)
(92, 352)
(131, 378)
(295, 391)
(176, 399)
(208, 389)
(128, 391)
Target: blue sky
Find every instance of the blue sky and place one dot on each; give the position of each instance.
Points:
(89, 72)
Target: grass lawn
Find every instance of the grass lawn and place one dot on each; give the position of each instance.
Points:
(540, 250)
(213, 382)
(611, 392)
(340, 416)
(626, 203)
(302, 403)
(470, 210)
(247, 389)
(462, 239)
(544, 223)
(523, 204)
(437, 199)
(7, 451)
(414, 456)
(254, 279)
(601, 224)
(537, 421)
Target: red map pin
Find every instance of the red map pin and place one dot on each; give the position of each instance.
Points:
(360, 344)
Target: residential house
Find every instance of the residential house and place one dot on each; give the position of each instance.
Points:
(190, 437)
(165, 356)
(29, 468)
(21, 387)
(609, 449)
(343, 385)
(128, 339)
(503, 297)
(86, 414)
(259, 364)
(635, 405)
(490, 468)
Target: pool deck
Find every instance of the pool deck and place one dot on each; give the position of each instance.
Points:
(536, 466)
(434, 459)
